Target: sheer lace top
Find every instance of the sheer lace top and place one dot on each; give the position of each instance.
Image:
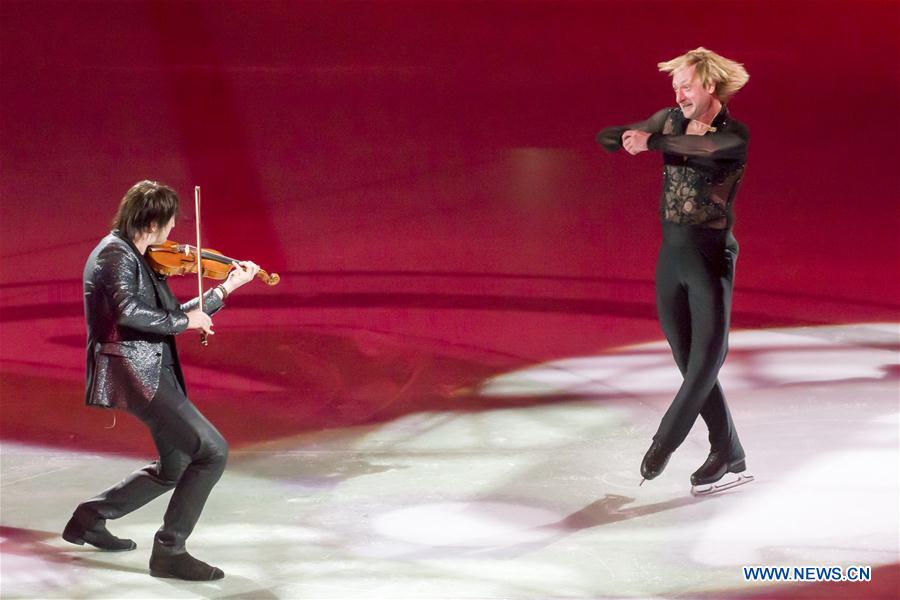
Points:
(701, 173)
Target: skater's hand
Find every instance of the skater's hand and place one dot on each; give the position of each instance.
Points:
(635, 141)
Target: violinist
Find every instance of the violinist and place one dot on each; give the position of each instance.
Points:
(132, 364)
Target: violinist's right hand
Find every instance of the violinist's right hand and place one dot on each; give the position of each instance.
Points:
(197, 319)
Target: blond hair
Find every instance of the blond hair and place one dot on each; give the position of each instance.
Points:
(728, 76)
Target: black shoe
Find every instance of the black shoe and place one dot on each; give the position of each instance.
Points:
(715, 467)
(183, 566)
(654, 461)
(97, 536)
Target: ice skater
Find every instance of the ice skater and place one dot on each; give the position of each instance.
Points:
(704, 153)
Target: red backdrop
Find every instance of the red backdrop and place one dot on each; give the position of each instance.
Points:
(424, 177)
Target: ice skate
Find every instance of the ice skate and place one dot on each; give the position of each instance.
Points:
(733, 481)
(654, 462)
(708, 479)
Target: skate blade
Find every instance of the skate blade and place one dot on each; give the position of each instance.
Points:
(713, 488)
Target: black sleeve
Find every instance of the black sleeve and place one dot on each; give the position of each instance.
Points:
(611, 137)
(212, 303)
(116, 271)
(719, 145)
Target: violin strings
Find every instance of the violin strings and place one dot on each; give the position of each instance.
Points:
(206, 254)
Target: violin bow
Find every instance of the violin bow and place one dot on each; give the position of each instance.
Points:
(204, 341)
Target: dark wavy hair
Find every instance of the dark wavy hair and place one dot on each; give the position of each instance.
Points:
(147, 202)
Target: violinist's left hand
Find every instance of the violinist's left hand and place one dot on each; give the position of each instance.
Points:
(242, 273)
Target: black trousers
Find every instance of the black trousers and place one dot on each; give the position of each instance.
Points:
(694, 279)
(192, 456)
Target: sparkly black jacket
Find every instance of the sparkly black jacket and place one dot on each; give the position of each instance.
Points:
(130, 313)
(701, 173)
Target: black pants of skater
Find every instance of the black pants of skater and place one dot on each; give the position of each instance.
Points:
(192, 456)
(694, 279)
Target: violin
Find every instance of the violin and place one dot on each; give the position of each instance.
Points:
(172, 258)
